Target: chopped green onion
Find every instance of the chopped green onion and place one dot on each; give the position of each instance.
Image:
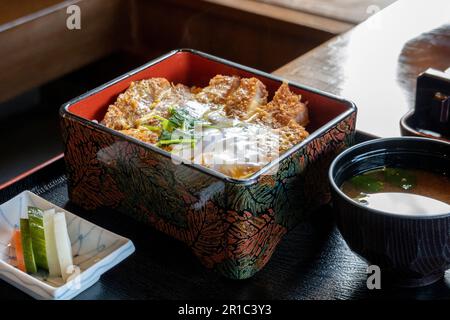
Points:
(165, 123)
(155, 116)
(152, 128)
(171, 110)
(180, 118)
(174, 141)
(165, 135)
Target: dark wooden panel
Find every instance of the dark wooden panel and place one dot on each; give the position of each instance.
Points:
(244, 37)
(280, 13)
(12, 10)
(350, 11)
(42, 49)
(35, 112)
(39, 48)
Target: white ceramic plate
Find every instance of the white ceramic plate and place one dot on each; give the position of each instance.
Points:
(95, 251)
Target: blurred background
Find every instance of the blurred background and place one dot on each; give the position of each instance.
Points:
(44, 63)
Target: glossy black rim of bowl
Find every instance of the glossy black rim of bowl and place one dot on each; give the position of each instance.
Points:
(384, 145)
(408, 129)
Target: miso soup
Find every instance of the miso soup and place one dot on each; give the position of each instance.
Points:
(401, 191)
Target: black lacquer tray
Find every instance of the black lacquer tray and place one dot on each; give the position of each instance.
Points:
(311, 262)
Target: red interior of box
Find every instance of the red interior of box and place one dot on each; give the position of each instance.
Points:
(192, 69)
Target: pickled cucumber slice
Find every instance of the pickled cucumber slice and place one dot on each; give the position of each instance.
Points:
(36, 221)
(27, 246)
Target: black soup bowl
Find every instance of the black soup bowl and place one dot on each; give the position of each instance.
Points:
(411, 250)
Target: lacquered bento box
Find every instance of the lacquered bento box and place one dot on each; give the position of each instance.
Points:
(231, 225)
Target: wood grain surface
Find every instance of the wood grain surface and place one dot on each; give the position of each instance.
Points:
(376, 63)
(273, 10)
(38, 50)
(311, 262)
(350, 11)
(13, 10)
(36, 47)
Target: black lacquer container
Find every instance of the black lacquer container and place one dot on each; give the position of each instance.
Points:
(232, 225)
(411, 250)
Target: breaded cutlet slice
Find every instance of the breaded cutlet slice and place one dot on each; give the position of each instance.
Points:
(142, 97)
(287, 115)
(243, 102)
(291, 134)
(142, 134)
(134, 103)
(286, 106)
(218, 89)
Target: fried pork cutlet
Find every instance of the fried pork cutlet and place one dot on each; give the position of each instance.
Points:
(286, 106)
(142, 134)
(291, 134)
(141, 98)
(218, 90)
(178, 95)
(135, 102)
(287, 115)
(243, 102)
(139, 110)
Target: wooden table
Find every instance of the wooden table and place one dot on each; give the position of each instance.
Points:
(311, 262)
(349, 11)
(376, 63)
(11, 11)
